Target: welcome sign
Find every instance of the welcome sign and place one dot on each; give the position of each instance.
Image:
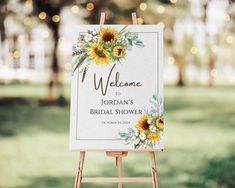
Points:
(117, 88)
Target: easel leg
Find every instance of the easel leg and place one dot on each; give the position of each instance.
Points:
(119, 166)
(79, 171)
(154, 169)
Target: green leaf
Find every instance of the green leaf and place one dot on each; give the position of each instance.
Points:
(80, 60)
(155, 97)
(130, 130)
(86, 45)
(82, 36)
(139, 44)
(130, 42)
(122, 134)
(126, 34)
(128, 47)
(106, 46)
(134, 36)
(136, 146)
(74, 48)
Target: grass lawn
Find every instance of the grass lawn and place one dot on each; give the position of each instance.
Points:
(200, 140)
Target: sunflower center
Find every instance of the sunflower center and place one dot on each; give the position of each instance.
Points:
(108, 37)
(99, 52)
(119, 51)
(161, 121)
(145, 125)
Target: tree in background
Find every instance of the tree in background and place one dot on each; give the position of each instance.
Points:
(48, 11)
(3, 14)
(165, 12)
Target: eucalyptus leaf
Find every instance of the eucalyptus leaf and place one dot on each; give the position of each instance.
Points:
(130, 42)
(128, 47)
(139, 44)
(122, 134)
(155, 97)
(74, 48)
(134, 36)
(126, 34)
(130, 130)
(82, 36)
(136, 146)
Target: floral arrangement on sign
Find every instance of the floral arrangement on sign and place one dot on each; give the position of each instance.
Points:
(102, 47)
(149, 128)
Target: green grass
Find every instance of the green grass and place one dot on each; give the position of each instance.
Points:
(200, 152)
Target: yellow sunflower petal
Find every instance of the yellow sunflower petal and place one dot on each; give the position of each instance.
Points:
(98, 54)
(154, 136)
(160, 122)
(108, 35)
(143, 124)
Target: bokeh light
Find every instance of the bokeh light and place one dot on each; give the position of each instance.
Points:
(90, 6)
(42, 15)
(56, 18)
(75, 9)
(143, 6)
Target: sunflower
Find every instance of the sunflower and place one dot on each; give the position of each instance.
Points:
(118, 51)
(154, 136)
(143, 123)
(98, 54)
(108, 35)
(160, 122)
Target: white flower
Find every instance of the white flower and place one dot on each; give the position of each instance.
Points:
(88, 37)
(149, 121)
(79, 44)
(152, 128)
(136, 141)
(95, 38)
(142, 136)
(144, 146)
(133, 137)
(136, 133)
(95, 32)
(147, 142)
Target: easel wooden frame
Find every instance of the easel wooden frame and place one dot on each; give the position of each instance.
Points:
(118, 157)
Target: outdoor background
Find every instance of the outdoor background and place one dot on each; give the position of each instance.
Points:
(199, 75)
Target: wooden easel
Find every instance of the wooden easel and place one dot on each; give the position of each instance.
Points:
(118, 157)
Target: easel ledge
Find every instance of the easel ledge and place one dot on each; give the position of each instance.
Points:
(118, 157)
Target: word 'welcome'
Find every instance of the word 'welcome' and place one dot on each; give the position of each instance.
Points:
(116, 83)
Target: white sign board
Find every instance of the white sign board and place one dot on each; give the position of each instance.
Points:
(117, 88)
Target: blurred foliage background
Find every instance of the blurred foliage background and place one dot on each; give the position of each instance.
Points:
(199, 75)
